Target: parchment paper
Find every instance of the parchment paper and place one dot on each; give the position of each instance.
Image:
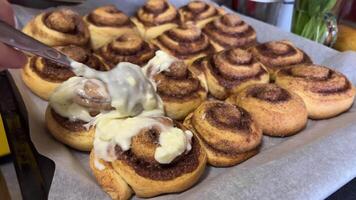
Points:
(310, 165)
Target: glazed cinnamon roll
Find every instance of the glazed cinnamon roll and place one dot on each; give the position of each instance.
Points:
(43, 76)
(107, 23)
(228, 133)
(230, 31)
(150, 155)
(186, 42)
(58, 28)
(326, 92)
(276, 55)
(72, 106)
(229, 71)
(127, 48)
(181, 91)
(200, 13)
(155, 17)
(277, 111)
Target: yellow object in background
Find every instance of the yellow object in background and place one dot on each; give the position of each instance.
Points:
(4, 146)
(346, 39)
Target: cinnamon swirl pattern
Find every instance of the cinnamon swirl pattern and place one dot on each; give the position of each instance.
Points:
(229, 71)
(326, 92)
(137, 167)
(199, 12)
(43, 76)
(228, 133)
(155, 17)
(186, 42)
(276, 55)
(230, 31)
(127, 48)
(180, 90)
(277, 111)
(107, 23)
(58, 28)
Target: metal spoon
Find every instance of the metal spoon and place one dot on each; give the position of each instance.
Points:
(15, 38)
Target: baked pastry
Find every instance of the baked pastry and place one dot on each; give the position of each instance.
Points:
(127, 48)
(107, 23)
(155, 157)
(72, 106)
(155, 17)
(325, 92)
(180, 90)
(58, 28)
(43, 76)
(277, 111)
(229, 71)
(276, 55)
(230, 31)
(199, 12)
(186, 42)
(228, 133)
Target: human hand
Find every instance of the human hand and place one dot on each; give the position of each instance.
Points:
(9, 57)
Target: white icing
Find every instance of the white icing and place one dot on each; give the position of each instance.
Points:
(130, 90)
(114, 131)
(161, 62)
(62, 99)
(98, 165)
(136, 106)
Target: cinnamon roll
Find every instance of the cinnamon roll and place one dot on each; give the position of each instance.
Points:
(107, 23)
(43, 76)
(150, 155)
(58, 28)
(326, 92)
(127, 48)
(155, 17)
(230, 31)
(72, 106)
(181, 91)
(228, 133)
(229, 71)
(276, 55)
(277, 111)
(200, 13)
(186, 42)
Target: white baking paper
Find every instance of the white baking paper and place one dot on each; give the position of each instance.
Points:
(310, 165)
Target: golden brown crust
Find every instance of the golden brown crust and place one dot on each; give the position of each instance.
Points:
(155, 17)
(43, 76)
(199, 12)
(326, 92)
(127, 48)
(229, 71)
(111, 182)
(180, 90)
(186, 42)
(230, 31)
(277, 111)
(276, 55)
(81, 140)
(58, 28)
(228, 133)
(107, 23)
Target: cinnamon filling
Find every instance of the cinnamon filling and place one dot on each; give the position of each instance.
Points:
(186, 164)
(51, 71)
(269, 92)
(74, 126)
(226, 116)
(155, 8)
(64, 21)
(229, 80)
(115, 22)
(197, 10)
